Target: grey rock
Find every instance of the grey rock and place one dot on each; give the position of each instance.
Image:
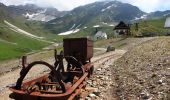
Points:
(92, 95)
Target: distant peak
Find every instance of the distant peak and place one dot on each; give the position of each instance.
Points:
(30, 5)
(1, 4)
(113, 1)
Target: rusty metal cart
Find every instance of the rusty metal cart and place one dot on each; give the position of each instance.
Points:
(62, 82)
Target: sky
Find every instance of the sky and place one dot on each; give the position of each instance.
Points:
(144, 5)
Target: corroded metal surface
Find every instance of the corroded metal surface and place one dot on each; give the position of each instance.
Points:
(59, 84)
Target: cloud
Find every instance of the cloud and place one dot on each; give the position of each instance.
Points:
(59, 4)
(150, 5)
(16, 2)
(145, 5)
(63, 4)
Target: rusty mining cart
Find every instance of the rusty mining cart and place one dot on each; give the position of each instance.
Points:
(62, 82)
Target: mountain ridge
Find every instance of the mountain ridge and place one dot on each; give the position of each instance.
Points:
(100, 13)
(95, 13)
(33, 12)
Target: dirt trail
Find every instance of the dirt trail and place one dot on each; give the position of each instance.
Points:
(14, 28)
(18, 30)
(10, 78)
(101, 81)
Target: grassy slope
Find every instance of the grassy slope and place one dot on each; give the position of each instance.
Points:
(153, 26)
(23, 44)
(150, 26)
(36, 28)
(91, 31)
(121, 43)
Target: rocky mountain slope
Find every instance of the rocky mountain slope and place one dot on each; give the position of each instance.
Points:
(33, 12)
(158, 14)
(4, 13)
(144, 72)
(105, 12)
(18, 35)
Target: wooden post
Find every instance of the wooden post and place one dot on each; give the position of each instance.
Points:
(24, 61)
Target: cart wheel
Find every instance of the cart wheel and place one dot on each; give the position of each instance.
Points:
(77, 97)
(90, 71)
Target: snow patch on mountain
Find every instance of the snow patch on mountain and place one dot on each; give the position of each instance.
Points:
(108, 24)
(30, 16)
(104, 23)
(142, 17)
(72, 26)
(69, 32)
(78, 26)
(39, 16)
(166, 14)
(109, 7)
(111, 25)
(96, 26)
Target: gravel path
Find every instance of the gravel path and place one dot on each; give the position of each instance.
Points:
(102, 79)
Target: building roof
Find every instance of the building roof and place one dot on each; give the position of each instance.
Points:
(167, 22)
(121, 25)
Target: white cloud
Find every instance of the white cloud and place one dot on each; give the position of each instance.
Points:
(150, 5)
(16, 2)
(65, 4)
(59, 4)
(145, 5)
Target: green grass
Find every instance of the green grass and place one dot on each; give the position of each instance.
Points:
(8, 51)
(37, 28)
(146, 27)
(91, 31)
(23, 44)
(152, 26)
(26, 44)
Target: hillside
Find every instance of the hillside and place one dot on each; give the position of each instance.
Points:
(138, 69)
(36, 28)
(82, 21)
(4, 12)
(14, 44)
(34, 12)
(107, 15)
(107, 12)
(22, 36)
(147, 28)
(143, 72)
(150, 27)
(19, 36)
(158, 14)
(30, 18)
